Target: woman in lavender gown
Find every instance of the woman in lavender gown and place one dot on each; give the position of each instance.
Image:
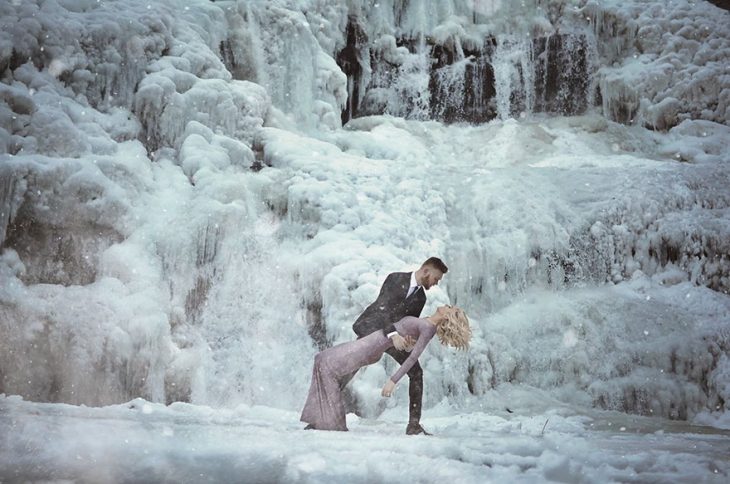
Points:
(325, 409)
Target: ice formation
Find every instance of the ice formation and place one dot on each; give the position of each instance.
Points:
(184, 217)
(141, 440)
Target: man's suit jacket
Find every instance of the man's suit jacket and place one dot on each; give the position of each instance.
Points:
(391, 305)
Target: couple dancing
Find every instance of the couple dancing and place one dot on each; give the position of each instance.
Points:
(389, 325)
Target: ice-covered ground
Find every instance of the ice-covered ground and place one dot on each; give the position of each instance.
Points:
(542, 440)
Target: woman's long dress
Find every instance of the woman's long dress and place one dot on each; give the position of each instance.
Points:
(325, 409)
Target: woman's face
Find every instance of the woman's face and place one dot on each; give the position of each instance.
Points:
(444, 310)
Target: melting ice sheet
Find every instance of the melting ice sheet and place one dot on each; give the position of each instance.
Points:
(540, 441)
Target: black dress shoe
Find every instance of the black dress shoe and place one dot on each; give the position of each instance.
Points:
(310, 427)
(414, 428)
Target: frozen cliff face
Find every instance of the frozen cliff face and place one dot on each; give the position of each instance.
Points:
(184, 218)
(461, 71)
(281, 46)
(102, 274)
(653, 64)
(663, 62)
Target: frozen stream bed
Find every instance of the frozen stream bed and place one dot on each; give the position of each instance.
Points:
(540, 441)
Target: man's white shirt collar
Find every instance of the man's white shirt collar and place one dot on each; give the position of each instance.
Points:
(413, 279)
(414, 284)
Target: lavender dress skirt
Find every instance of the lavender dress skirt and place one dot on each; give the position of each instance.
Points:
(325, 409)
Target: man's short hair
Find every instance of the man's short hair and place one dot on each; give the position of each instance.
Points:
(436, 263)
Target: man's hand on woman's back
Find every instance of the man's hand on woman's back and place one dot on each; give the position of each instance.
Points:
(403, 344)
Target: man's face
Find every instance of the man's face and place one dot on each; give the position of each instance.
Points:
(431, 277)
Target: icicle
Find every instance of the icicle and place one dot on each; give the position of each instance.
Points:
(11, 193)
(514, 81)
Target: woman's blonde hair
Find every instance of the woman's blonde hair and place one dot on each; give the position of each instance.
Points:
(454, 331)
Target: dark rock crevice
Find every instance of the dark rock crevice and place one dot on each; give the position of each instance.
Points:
(462, 85)
(57, 254)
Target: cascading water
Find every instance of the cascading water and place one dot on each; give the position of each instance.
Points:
(409, 94)
(503, 76)
(513, 77)
(561, 83)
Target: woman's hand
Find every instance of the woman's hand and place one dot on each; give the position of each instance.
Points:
(403, 344)
(388, 388)
(410, 343)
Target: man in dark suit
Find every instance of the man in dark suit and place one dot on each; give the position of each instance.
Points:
(403, 294)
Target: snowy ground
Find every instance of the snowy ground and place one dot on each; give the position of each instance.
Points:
(541, 441)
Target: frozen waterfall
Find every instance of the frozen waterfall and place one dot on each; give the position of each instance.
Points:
(184, 217)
